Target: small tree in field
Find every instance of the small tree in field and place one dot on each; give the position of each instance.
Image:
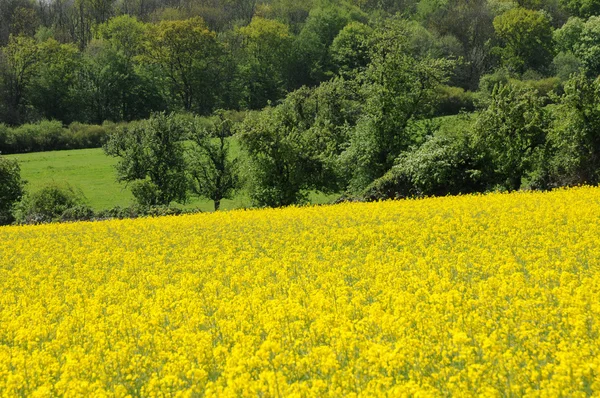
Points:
(11, 188)
(152, 157)
(212, 170)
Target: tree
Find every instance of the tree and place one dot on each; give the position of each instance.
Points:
(511, 131)
(213, 171)
(399, 89)
(18, 59)
(350, 49)
(312, 61)
(581, 40)
(152, 156)
(468, 23)
(267, 47)
(11, 188)
(186, 55)
(53, 85)
(294, 148)
(582, 8)
(445, 164)
(525, 40)
(574, 134)
(588, 48)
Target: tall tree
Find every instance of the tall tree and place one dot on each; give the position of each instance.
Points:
(213, 170)
(11, 188)
(187, 54)
(18, 63)
(52, 89)
(152, 157)
(526, 40)
(400, 88)
(574, 133)
(267, 46)
(511, 130)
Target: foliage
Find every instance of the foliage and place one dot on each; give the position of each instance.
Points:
(49, 204)
(350, 50)
(574, 134)
(213, 171)
(295, 147)
(11, 188)
(399, 89)
(511, 131)
(445, 164)
(186, 54)
(453, 100)
(265, 68)
(526, 40)
(151, 154)
(18, 61)
(51, 135)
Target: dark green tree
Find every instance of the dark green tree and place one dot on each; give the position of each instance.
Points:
(18, 65)
(399, 88)
(152, 157)
(575, 134)
(264, 67)
(525, 40)
(186, 57)
(511, 131)
(212, 168)
(11, 188)
(52, 91)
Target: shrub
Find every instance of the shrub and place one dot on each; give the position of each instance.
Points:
(48, 204)
(453, 100)
(443, 165)
(80, 212)
(11, 188)
(80, 136)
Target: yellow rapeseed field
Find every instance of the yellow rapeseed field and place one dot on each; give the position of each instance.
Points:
(494, 295)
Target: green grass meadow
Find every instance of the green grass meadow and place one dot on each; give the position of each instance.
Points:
(92, 172)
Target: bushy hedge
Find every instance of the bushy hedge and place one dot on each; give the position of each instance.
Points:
(63, 203)
(51, 136)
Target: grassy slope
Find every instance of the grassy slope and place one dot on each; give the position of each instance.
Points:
(92, 171)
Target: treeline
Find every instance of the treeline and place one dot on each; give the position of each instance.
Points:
(91, 61)
(368, 136)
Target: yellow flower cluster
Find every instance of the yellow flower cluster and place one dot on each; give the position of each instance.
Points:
(495, 295)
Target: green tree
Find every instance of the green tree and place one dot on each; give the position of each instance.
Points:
(574, 134)
(525, 40)
(52, 87)
(399, 89)
(294, 148)
(588, 48)
(186, 55)
(267, 46)
(350, 49)
(468, 26)
(152, 157)
(581, 8)
(312, 62)
(134, 94)
(19, 60)
(511, 131)
(213, 171)
(11, 188)
(49, 204)
(445, 164)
